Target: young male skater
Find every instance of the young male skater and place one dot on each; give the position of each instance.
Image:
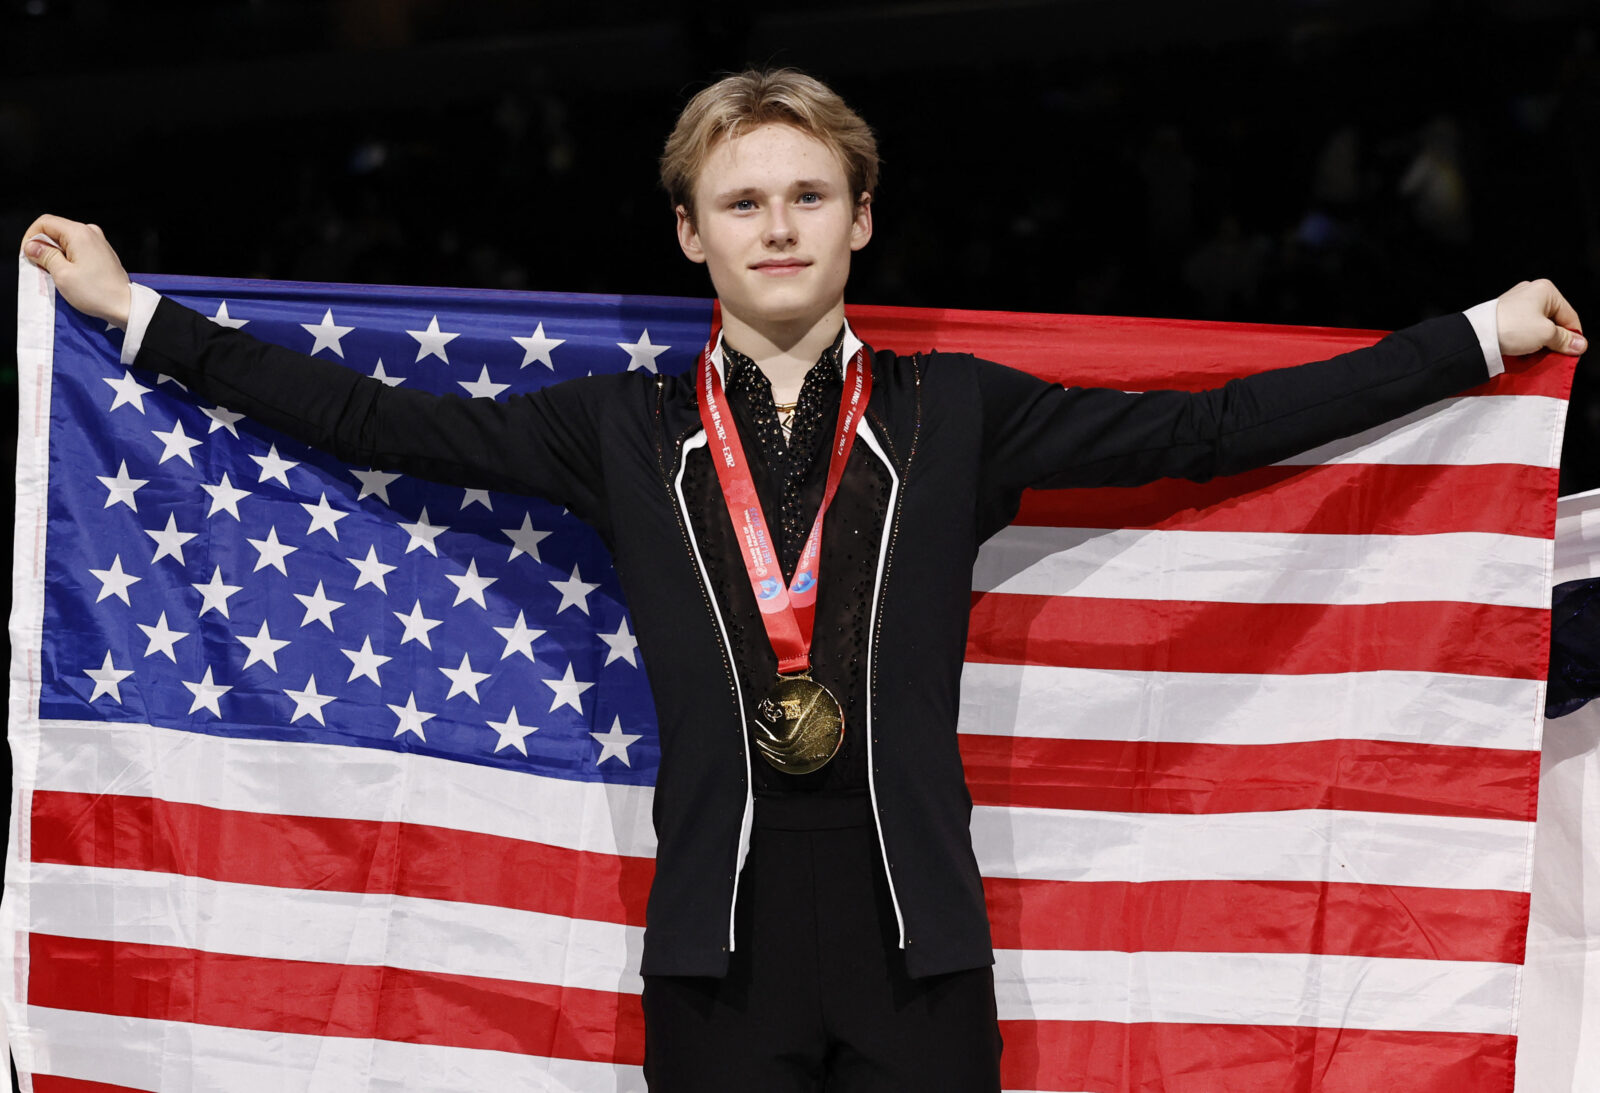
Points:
(794, 524)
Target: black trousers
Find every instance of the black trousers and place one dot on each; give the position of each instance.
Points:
(817, 998)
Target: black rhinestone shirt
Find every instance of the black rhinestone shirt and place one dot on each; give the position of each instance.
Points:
(788, 461)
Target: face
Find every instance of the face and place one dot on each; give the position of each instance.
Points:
(775, 224)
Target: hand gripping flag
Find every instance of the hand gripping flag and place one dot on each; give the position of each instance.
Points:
(332, 779)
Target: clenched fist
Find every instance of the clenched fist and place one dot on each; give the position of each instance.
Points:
(1532, 315)
(86, 270)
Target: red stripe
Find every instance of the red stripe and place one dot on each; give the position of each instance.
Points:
(1140, 354)
(50, 1083)
(302, 997)
(128, 833)
(1217, 916)
(1173, 777)
(1338, 499)
(1280, 638)
(1104, 1057)
(338, 855)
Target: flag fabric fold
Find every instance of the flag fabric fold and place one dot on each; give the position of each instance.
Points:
(1558, 1051)
(328, 778)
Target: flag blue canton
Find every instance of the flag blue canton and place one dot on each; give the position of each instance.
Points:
(226, 580)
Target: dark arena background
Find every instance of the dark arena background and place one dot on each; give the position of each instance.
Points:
(1361, 163)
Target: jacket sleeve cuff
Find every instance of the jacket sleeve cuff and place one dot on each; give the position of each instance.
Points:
(141, 309)
(1487, 327)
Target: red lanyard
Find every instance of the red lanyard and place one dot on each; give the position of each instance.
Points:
(788, 613)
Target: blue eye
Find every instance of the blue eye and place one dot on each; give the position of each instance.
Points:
(810, 197)
(744, 204)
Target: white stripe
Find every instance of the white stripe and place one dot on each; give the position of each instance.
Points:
(1463, 431)
(344, 783)
(1301, 844)
(359, 928)
(1263, 567)
(747, 819)
(870, 438)
(1298, 989)
(177, 1057)
(1204, 708)
(36, 311)
(1578, 537)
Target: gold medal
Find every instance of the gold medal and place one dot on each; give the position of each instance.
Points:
(799, 725)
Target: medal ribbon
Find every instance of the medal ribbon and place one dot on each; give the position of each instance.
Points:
(787, 612)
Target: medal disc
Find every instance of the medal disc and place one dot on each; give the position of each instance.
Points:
(799, 725)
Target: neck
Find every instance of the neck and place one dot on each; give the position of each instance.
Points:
(784, 352)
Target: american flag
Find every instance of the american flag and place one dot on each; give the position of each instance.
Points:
(332, 779)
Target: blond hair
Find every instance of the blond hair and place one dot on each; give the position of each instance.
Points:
(755, 97)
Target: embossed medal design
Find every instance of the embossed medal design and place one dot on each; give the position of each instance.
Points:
(799, 725)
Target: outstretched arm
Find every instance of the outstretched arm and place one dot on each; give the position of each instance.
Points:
(1044, 435)
(542, 443)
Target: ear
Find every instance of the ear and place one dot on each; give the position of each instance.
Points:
(689, 237)
(861, 228)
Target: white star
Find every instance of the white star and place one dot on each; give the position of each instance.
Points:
(641, 354)
(364, 662)
(463, 680)
(162, 377)
(222, 318)
(371, 570)
(537, 348)
(525, 540)
(274, 465)
(271, 552)
(263, 648)
(567, 690)
(621, 644)
(513, 734)
(106, 678)
(374, 482)
(518, 638)
(470, 586)
(215, 594)
(379, 374)
(477, 497)
(162, 638)
(431, 342)
(417, 626)
(308, 701)
(319, 608)
(169, 541)
(327, 334)
(423, 534)
(324, 517)
(176, 443)
(130, 392)
(225, 497)
(411, 718)
(483, 386)
(574, 592)
(221, 419)
(114, 582)
(206, 693)
(122, 488)
(614, 743)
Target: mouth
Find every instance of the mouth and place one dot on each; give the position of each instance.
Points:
(780, 267)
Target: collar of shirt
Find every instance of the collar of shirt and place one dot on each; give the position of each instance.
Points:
(847, 349)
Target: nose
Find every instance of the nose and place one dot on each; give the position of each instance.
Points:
(780, 227)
